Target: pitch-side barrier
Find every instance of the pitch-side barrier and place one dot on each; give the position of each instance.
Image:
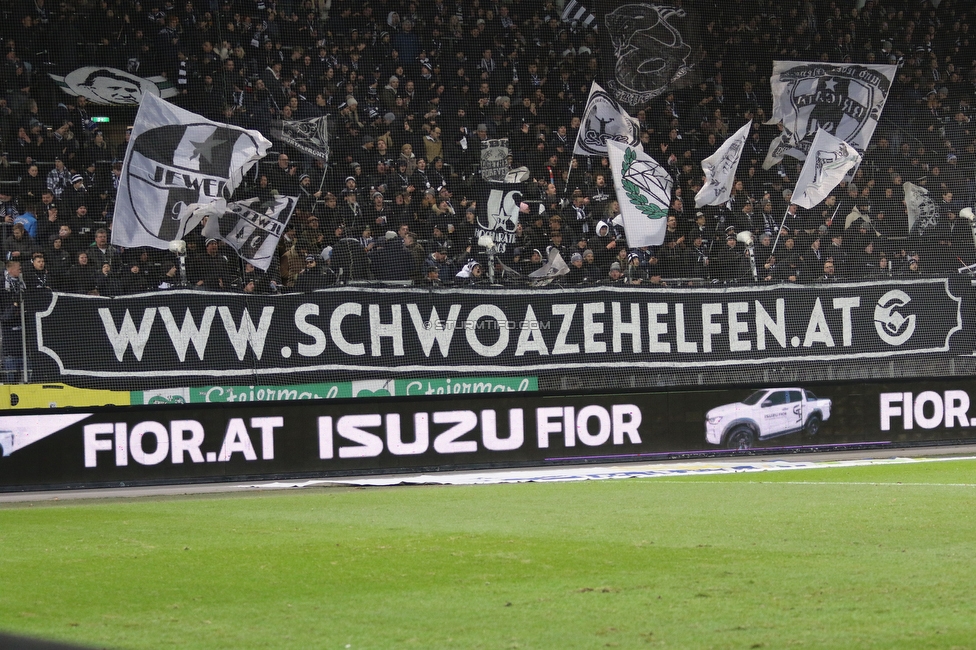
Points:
(171, 443)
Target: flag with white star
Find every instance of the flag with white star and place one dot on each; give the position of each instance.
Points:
(179, 167)
(845, 100)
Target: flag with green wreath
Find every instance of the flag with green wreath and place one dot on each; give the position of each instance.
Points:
(644, 192)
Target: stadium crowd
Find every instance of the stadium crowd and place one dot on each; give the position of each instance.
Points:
(413, 87)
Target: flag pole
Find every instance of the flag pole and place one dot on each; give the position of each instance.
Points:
(569, 174)
(779, 232)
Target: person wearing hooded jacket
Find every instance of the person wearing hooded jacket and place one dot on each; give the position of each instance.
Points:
(471, 275)
(604, 246)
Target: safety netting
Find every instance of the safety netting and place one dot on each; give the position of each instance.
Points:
(247, 200)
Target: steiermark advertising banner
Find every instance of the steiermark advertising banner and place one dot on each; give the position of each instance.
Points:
(336, 390)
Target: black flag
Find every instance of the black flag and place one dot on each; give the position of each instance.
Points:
(648, 49)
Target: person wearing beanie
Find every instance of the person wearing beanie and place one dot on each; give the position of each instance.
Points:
(576, 273)
(615, 275)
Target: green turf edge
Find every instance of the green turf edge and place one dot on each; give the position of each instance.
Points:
(839, 557)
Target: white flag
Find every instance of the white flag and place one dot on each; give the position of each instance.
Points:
(177, 164)
(553, 267)
(603, 120)
(844, 100)
(855, 216)
(644, 191)
(252, 228)
(829, 160)
(720, 169)
(922, 211)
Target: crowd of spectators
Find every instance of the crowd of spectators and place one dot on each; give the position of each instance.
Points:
(413, 87)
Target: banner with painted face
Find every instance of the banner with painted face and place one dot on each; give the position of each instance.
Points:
(113, 87)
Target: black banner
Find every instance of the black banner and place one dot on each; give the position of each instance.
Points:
(356, 329)
(648, 49)
(142, 445)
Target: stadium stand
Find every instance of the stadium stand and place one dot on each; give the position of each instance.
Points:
(411, 87)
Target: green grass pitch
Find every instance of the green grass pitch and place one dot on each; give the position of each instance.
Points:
(864, 557)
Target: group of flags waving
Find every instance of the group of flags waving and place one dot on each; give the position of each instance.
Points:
(181, 168)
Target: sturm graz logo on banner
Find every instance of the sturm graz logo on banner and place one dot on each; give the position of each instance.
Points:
(654, 49)
(893, 327)
(844, 100)
(603, 120)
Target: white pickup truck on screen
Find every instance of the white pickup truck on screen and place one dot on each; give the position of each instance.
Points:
(767, 413)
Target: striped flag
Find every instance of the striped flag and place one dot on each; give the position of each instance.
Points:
(574, 12)
(253, 228)
(178, 166)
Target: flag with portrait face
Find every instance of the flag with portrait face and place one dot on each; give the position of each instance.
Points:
(648, 49)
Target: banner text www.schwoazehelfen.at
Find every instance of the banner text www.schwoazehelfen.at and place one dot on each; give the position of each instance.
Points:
(358, 329)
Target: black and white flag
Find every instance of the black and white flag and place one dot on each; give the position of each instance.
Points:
(829, 161)
(720, 169)
(177, 167)
(498, 213)
(553, 267)
(308, 136)
(604, 119)
(574, 12)
(252, 227)
(845, 100)
(494, 159)
(648, 49)
(923, 215)
(113, 87)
